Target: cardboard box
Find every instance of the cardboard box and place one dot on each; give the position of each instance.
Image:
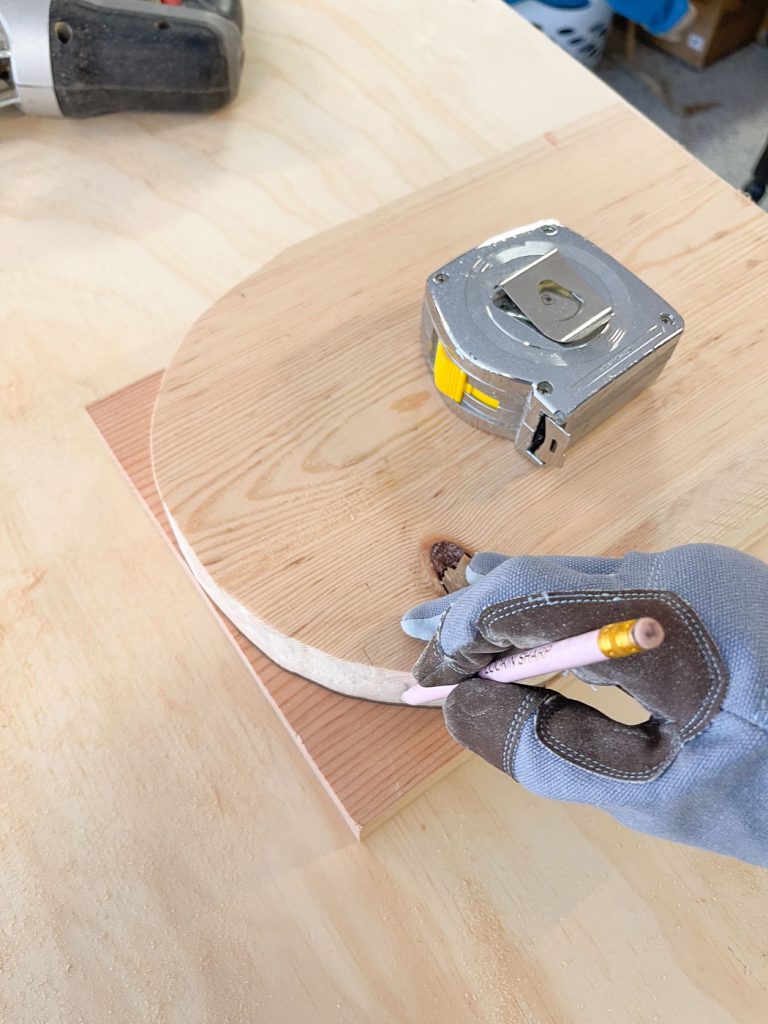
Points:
(720, 27)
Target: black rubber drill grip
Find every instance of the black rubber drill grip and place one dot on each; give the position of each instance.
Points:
(108, 59)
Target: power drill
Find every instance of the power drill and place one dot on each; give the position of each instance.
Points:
(83, 57)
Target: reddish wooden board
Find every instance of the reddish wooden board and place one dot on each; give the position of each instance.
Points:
(371, 758)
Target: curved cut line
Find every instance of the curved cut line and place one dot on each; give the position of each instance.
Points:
(352, 679)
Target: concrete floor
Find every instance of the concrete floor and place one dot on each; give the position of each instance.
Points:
(729, 137)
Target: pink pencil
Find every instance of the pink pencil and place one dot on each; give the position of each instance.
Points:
(616, 640)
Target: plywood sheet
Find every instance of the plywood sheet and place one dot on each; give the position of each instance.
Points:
(307, 464)
(371, 758)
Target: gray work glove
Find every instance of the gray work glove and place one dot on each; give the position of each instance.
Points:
(697, 771)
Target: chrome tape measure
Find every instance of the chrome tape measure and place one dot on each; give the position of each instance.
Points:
(539, 335)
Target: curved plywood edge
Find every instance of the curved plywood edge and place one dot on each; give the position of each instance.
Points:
(308, 465)
(352, 680)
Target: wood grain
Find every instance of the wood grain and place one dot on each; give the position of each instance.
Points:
(166, 857)
(371, 758)
(307, 463)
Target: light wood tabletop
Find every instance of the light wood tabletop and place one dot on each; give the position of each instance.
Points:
(166, 855)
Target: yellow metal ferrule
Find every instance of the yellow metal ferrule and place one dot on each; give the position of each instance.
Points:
(451, 380)
(616, 640)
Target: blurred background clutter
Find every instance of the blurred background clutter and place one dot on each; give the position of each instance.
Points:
(698, 70)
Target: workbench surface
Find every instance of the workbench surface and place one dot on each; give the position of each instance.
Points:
(166, 854)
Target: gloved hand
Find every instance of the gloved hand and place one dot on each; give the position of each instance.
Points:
(697, 771)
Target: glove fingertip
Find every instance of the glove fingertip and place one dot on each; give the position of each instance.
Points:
(422, 620)
(418, 628)
(482, 563)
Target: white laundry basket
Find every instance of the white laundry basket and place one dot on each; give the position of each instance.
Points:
(579, 27)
